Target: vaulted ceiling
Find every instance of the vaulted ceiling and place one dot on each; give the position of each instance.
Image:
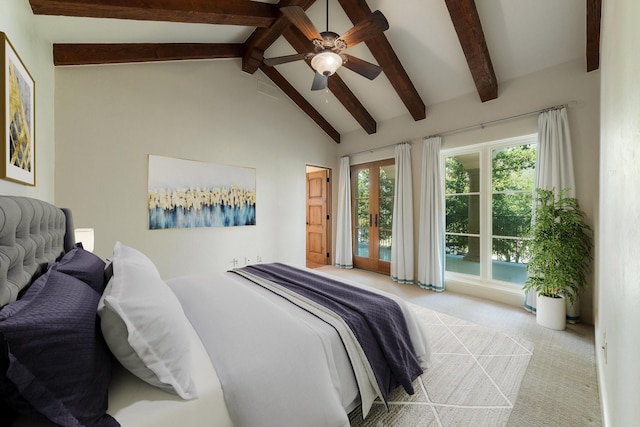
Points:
(434, 50)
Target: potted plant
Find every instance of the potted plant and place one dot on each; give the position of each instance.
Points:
(560, 255)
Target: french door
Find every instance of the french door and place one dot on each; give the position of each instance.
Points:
(372, 186)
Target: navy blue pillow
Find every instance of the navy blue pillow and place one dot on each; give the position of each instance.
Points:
(4, 355)
(8, 413)
(85, 266)
(59, 366)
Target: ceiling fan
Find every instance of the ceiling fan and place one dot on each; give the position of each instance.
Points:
(327, 56)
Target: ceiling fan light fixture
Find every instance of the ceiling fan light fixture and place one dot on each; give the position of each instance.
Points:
(326, 63)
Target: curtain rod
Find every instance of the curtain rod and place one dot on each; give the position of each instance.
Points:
(480, 125)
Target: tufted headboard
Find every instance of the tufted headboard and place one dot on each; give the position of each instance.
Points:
(32, 234)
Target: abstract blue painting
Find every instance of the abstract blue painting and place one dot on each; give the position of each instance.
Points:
(188, 193)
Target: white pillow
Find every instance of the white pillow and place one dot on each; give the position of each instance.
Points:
(144, 325)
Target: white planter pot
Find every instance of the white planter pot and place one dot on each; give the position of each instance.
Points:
(551, 312)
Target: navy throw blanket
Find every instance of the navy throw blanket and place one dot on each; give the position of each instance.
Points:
(377, 321)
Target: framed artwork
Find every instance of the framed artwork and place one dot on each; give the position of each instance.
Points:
(18, 117)
(188, 193)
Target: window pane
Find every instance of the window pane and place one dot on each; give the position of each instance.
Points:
(511, 214)
(385, 204)
(385, 219)
(463, 214)
(512, 181)
(385, 245)
(462, 174)
(463, 254)
(362, 183)
(513, 168)
(387, 180)
(362, 242)
(362, 213)
(509, 262)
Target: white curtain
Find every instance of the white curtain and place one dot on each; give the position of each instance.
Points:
(344, 251)
(402, 225)
(431, 239)
(554, 170)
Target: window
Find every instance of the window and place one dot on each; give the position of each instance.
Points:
(488, 201)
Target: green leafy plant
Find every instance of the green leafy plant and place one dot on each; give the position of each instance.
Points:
(560, 246)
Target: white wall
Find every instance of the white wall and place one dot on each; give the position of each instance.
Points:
(618, 315)
(565, 83)
(16, 21)
(110, 118)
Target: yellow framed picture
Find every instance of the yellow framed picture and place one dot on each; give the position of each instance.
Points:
(18, 118)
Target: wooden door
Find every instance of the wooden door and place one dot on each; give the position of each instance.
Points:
(318, 218)
(372, 186)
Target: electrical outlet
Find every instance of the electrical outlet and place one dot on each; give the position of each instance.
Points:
(258, 258)
(234, 262)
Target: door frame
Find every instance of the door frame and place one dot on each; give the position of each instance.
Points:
(329, 228)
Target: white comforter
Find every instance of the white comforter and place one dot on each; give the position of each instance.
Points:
(278, 365)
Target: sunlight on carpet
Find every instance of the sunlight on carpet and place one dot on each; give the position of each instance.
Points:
(474, 378)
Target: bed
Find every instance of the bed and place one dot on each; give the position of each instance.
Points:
(95, 343)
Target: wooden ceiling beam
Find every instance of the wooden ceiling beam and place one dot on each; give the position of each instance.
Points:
(223, 12)
(347, 98)
(358, 10)
(466, 21)
(262, 38)
(91, 54)
(296, 97)
(594, 14)
(335, 84)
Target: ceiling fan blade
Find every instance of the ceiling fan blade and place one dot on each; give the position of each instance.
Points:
(371, 27)
(319, 82)
(296, 15)
(284, 59)
(362, 67)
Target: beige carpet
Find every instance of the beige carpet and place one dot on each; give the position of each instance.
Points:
(473, 381)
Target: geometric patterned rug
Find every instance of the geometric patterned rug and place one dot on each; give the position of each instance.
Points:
(473, 380)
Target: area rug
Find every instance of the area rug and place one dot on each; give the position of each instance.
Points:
(473, 381)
